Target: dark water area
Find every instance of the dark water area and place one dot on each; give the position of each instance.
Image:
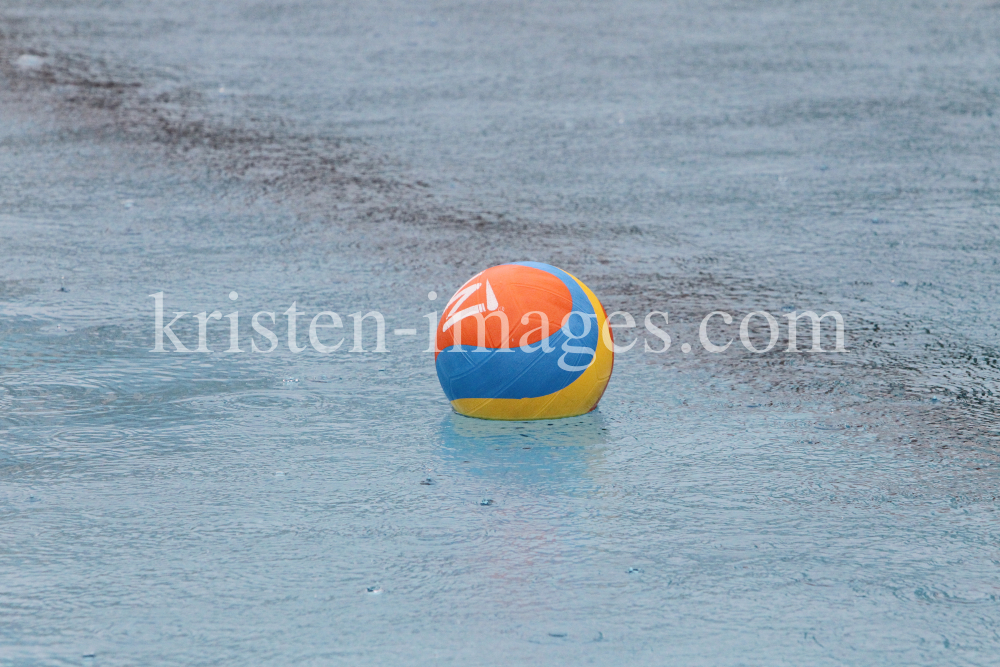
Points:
(718, 509)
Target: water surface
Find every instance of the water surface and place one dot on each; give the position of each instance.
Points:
(716, 509)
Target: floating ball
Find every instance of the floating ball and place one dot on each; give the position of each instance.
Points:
(523, 341)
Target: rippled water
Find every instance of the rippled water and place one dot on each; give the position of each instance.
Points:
(716, 509)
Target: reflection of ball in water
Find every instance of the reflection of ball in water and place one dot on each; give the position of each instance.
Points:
(523, 341)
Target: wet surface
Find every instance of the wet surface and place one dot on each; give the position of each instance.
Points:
(717, 509)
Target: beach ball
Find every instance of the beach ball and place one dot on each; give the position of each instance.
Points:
(523, 341)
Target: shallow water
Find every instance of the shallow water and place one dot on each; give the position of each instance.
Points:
(716, 509)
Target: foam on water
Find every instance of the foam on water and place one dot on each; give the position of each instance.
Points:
(29, 61)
